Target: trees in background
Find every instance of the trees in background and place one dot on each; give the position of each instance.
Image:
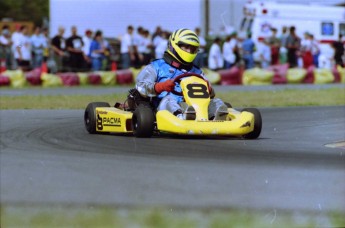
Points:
(25, 10)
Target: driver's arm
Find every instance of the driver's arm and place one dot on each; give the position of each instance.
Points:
(146, 81)
(212, 94)
(211, 90)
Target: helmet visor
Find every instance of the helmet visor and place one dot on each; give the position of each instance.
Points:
(188, 48)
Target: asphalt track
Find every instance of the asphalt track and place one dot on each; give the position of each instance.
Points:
(47, 157)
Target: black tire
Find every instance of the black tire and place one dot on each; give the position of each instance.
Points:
(257, 123)
(143, 121)
(90, 118)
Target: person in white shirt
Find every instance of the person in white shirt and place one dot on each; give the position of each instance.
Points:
(315, 50)
(38, 43)
(215, 56)
(137, 41)
(228, 53)
(305, 50)
(156, 38)
(144, 48)
(14, 37)
(162, 45)
(126, 48)
(264, 54)
(235, 45)
(87, 39)
(22, 53)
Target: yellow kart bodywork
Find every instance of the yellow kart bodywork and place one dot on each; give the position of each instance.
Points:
(196, 94)
(114, 120)
(241, 124)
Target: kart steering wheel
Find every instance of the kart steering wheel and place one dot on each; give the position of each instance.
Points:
(185, 75)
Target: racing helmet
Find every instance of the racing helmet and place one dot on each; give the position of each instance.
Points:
(180, 41)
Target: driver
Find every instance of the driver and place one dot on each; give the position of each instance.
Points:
(155, 81)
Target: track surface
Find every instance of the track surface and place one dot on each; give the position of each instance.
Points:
(47, 157)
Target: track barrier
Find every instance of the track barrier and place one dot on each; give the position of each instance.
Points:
(278, 74)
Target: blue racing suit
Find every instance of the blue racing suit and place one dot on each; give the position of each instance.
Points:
(159, 71)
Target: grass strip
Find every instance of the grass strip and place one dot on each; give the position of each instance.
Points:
(65, 216)
(280, 98)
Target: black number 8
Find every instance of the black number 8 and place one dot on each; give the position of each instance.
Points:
(99, 123)
(197, 91)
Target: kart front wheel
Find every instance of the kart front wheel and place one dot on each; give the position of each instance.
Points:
(143, 121)
(90, 117)
(257, 123)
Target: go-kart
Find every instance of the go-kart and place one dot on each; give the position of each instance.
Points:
(138, 116)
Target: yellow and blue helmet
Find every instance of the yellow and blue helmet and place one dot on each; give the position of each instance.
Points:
(183, 45)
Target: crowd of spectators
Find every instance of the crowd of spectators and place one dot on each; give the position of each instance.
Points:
(92, 52)
(20, 50)
(273, 50)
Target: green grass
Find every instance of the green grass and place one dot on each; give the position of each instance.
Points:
(280, 98)
(66, 216)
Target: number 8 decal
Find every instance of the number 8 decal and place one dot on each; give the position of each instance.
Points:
(197, 91)
(99, 123)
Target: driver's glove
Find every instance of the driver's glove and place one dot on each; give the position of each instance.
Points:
(167, 85)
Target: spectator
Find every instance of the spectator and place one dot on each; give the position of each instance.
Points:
(200, 57)
(157, 32)
(97, 50)
(215, 57)
(228, 53)
(58, 45)
(293, 44)
(144, 48)
(338, 47)
(235, 46)
(137, 39)
(15, 36)
(282, 49)
(5, 46)
(107, 51)
(74, 44)
(274, 43)
(248, 48)
(156, 39)
(46, 44)
(264, 53)
(315, 50)
(126, 49)
(38, 43)
(306, 48)
(87, 39)
(23, 49)
(162, 45)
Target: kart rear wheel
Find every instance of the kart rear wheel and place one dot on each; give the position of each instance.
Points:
(90, 117)
(257, 123)
(143, 121)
